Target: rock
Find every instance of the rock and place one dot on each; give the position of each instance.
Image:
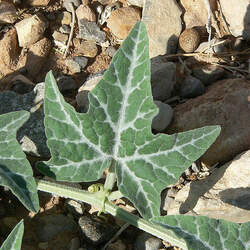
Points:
(222, 195)
(239, 12)
(64, 18)
(208, 74)
(191, 87)
(158, 15)
(31, 135)
(75, 3)
(65, 29)
(75, 244)
(73, 66)
(74, 207)
(30, 30)
(189, 40)
(90, 31)
(146, 241)
(138, 3)
(65, 83)
(51, 225)
(81, 60)
(21, 85)
(85, 48)
(82, 101)
(163, 118)
(91, 82)
(110, 51)
(9, 52)
(36, 55)
(7, 12)
(163, 79)
(84, 12)
(60, 37)
(195, 13)
(118, 245)
(225, 103)
(94, 231)
(38, 3)
(122, 20)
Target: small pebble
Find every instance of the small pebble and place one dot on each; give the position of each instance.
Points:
(163, 118)
(191, 87)
(65, 29)
(81, 60)
(146, 241)
(73, 66)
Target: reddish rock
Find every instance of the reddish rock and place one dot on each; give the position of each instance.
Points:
(226, 103)
(9, 52)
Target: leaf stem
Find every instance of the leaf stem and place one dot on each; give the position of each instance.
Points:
(96, 200)
(110, 178)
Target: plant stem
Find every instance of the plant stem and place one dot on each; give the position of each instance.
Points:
(95, 199)
(111, 177)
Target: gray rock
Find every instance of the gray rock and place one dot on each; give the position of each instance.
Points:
(82, 101)
(90, 31)
(163, 118)
(74, 207)
(65, 83)
(31, 135)
(94, 231)
(225, 194)
(73, 66)
(81, 60)
(163, 79)
(208, 74)
(75, 3)
(65, 29)
(110, 51)
(191, 87)
(49, 226)
(158, 15)
(146, 241)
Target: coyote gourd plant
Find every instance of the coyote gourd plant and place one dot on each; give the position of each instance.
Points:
(116, 134)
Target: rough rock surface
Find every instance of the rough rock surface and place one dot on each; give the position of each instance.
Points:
(31, 135)
(237, 16)
(7, 12)
(122, 20)
(138, 3)
(164, 26)
(226, 103)
(37, 3)
(84, 12)
(30, 30)
(225, 194)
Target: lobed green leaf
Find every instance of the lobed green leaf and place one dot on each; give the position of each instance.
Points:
(206, 233)
(14, 240)
(117, 128)
(15, 170)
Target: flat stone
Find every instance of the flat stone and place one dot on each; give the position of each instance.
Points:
(122, 20)
(146, 241)
(85, 12)
(138, 3)
(163, 79)
(225, 103)
(85, 48)
(225, 194)
(161, 121)
(31, 135)
(90, 31)
(237, 16)
(60, 37)
(30, 30)
(73, 66)
(195, 13)
(38, 3)
(7, 12)
(158, 15)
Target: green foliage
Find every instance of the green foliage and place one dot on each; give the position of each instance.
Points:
(201, 232)
(117, 128)
(15, 170)
(14, 240)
